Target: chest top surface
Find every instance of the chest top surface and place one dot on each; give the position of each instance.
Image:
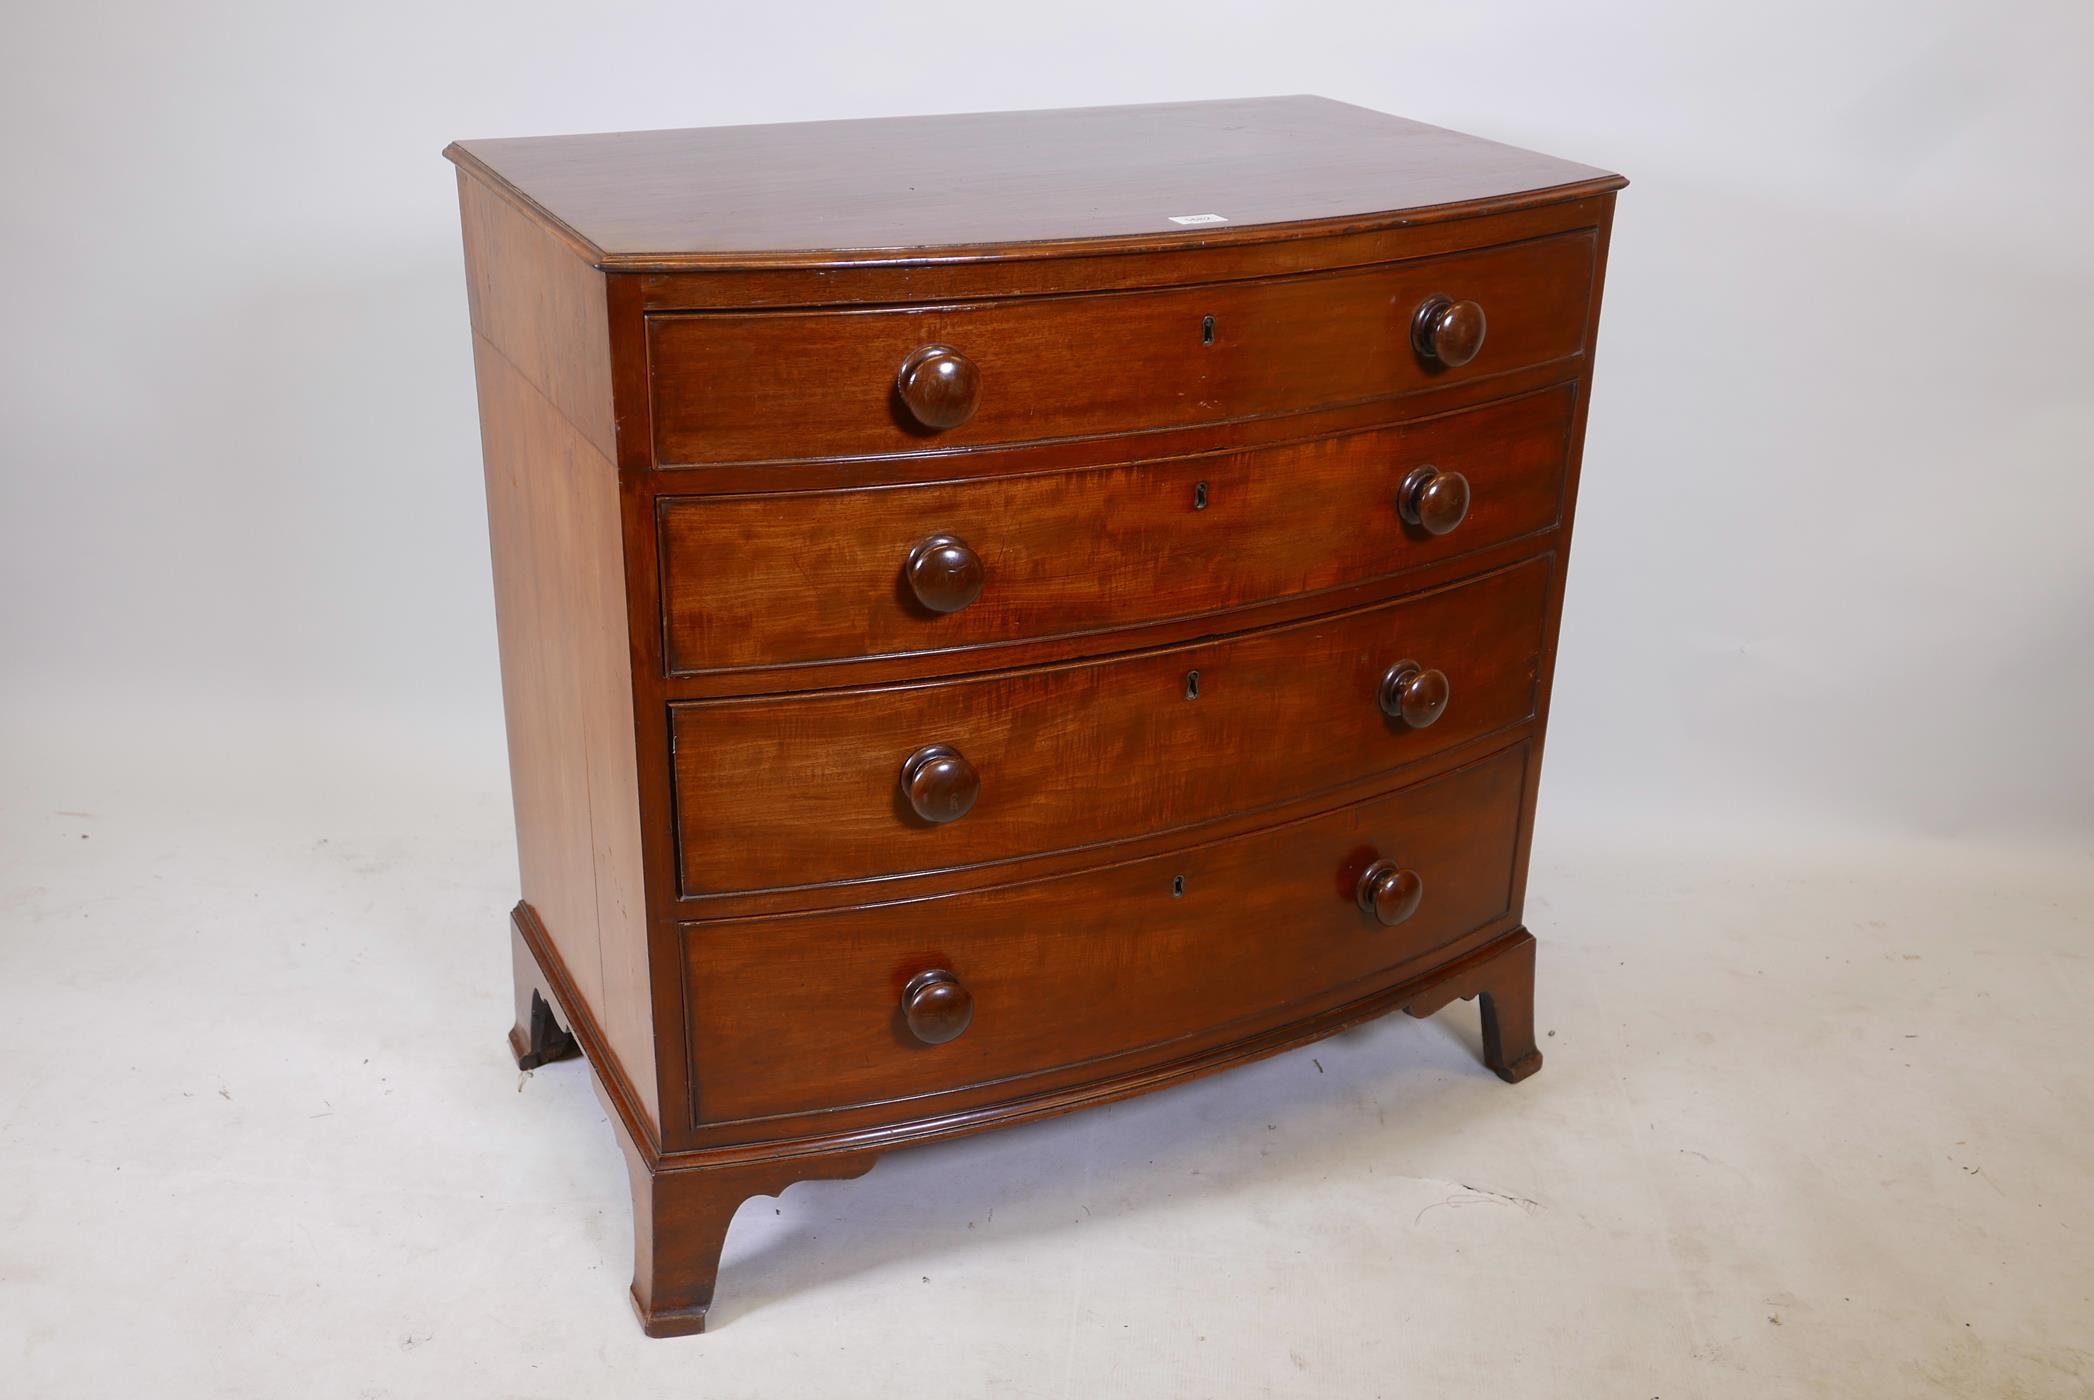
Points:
(1011, 184)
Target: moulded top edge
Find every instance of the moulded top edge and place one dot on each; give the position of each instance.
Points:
(1010, 185)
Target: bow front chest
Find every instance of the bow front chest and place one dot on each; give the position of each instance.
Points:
(1000, 613)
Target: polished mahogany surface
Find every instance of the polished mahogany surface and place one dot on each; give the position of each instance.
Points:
(1008, 184)
(1046, 369)
(769, 580)
(821, 788)
(1002, 613)
(1146, 955)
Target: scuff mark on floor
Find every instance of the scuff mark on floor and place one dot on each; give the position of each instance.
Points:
(1477, 1195)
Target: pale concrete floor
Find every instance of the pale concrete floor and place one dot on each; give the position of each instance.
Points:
(1817, 1120)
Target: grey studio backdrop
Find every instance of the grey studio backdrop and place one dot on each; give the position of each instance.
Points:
(1831, 562)
(1812, 861)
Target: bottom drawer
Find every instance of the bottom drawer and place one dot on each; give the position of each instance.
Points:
(795, 1013)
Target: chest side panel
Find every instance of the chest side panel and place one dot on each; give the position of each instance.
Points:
(541, 356)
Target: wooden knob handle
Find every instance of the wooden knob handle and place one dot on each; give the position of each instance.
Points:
(944, 574)
(941, 784)
(1391, 893)
(1447, 332)
(936, 1006)
(1433, 500)
(938, 386)
(1413, 694)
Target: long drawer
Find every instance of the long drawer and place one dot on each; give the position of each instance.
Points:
(779, 579)
(797, 1013)
(819, 788)
(797, 385)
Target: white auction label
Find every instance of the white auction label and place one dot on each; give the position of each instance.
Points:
(1199, 218)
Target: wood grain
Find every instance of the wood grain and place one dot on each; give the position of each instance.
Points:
(790, 385)
(805, 790)
(799, 1013)
(769, 580)
(1010, 184)
(541, 308)
(554, 514)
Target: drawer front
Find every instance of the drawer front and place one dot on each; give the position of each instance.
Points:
(790, 791)
(752, 581)
(793, 385)
(799, 1013)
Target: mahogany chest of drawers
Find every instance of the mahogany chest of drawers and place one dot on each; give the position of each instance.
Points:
(1000, 613)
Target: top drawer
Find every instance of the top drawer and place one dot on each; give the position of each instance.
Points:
(797, 385)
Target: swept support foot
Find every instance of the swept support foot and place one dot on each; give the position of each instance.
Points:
(1508, 1015)
(1502, 977)
(680, 1220)
(537, 1038)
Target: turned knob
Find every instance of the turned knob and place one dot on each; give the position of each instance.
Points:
(944, 574)
(941, 785)
(938, 386)
(1433, 500)
(1447, 332)
(936, 1006)
(1413, 694)
(1390, 893)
